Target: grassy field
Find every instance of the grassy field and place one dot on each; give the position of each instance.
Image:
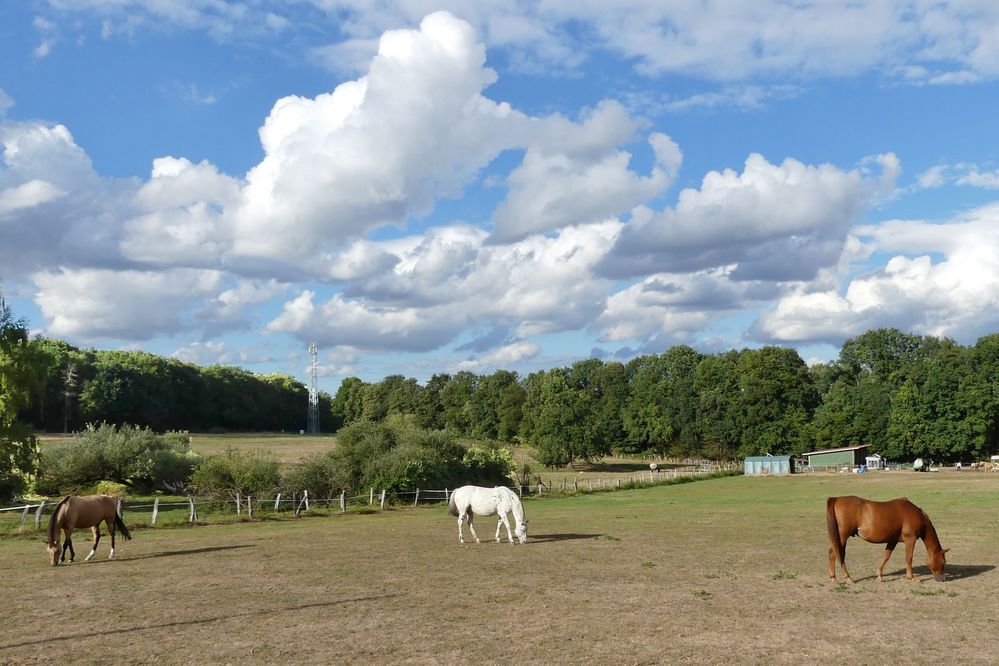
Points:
(286, 447)
(292, 448)
(726, 570)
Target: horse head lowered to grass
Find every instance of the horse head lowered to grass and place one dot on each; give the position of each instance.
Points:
(88, 511)
(882, 522)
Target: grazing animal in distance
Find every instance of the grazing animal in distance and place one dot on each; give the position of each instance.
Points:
(468, 501)
(81, 512)
(882, 522)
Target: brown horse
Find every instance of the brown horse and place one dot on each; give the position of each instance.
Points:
(89, 511)
(882, 522)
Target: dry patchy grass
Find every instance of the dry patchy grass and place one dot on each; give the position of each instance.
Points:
(726, 570)
(286, 447)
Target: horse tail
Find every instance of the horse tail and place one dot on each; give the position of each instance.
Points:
(452, 506)
(53, 525)
(833, 526)
(119, 525)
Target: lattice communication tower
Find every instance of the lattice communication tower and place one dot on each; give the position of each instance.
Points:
(313, 427)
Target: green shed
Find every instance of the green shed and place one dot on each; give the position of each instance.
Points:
(768, 465)
(849, 456)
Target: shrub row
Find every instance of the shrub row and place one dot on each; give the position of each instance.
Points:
(393, 455)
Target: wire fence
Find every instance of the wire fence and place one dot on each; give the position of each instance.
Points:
(204, 510)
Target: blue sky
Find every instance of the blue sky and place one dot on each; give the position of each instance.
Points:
(434, 186)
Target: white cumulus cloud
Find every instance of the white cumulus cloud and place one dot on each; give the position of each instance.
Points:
(943, 280)
(777, 222)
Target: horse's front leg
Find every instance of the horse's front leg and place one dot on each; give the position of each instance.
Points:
(68, 545)
(509, 534)
(910, 547)
(96, 529)
(499, 523)
(889, 549)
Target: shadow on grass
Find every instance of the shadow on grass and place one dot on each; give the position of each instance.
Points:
(170, 553)
(544, 538)
(188, 623)
(952, 572)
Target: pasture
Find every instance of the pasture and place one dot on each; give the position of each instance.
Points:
(725, 570)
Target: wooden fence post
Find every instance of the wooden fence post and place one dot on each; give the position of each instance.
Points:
(239, 504)
(416, 500)
(575, 485)
(591, 486)
(277, 502)
(194, 511)
(343, 501)
(520, 489)
(305, 493)
(38, 514)
(24, 514)
(156, 510)
(249, 507)
(383, 501)
(371, 497)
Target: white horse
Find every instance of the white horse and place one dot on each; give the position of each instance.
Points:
(471, 500)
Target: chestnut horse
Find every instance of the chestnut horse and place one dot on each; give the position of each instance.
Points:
(89, 511)
(882, 522)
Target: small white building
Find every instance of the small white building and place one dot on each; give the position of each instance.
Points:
(875, 461)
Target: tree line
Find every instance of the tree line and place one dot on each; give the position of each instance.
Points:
(904, 395)
(74, 387)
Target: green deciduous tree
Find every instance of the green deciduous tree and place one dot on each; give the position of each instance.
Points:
(19, 379)
(775, 402)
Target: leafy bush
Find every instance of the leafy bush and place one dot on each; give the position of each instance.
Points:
(18, 459)
(236, 471)
(110, 488)
(396, 455)
(322, 474)
(129, 455)
(490, 462)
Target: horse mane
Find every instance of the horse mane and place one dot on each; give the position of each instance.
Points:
(51, 534)
(929, 535)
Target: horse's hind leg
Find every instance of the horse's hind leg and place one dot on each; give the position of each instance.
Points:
(889, 548)
(96, 529)
(471, 527)
(838, 551)
(461, 521)
(111, 530)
